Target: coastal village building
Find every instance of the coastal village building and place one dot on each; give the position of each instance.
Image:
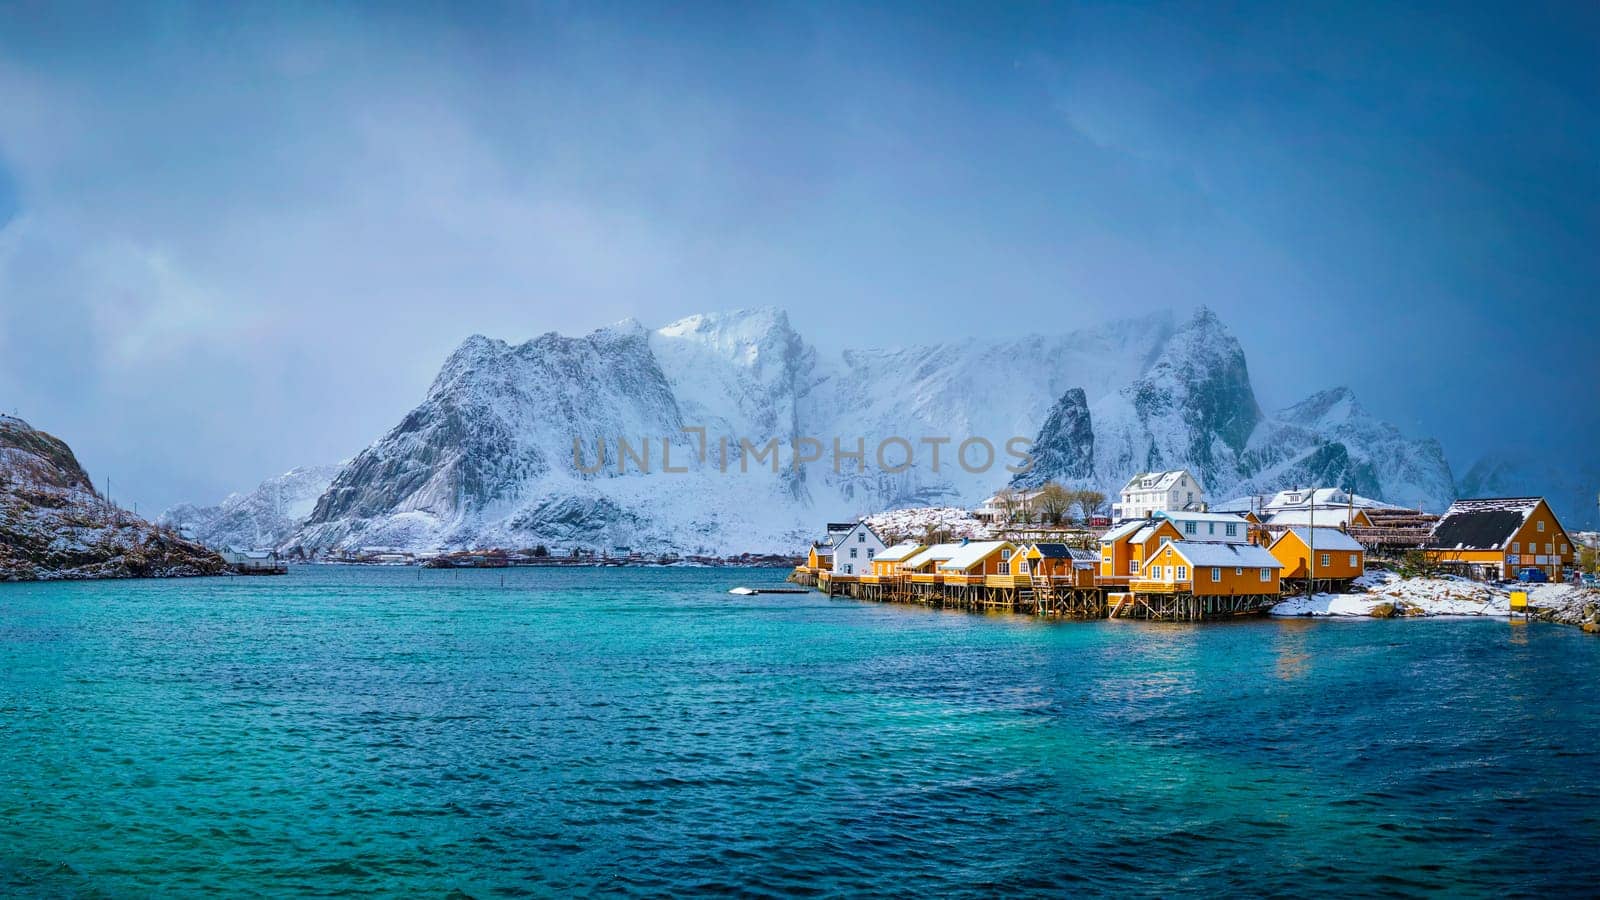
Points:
(1335, 517)
(888, 562)
(1498, 538)
(1124, 549)
(1210, 570)
(855, 550)
(1225, 528)
(1151, 492)
(1058, 561)
(975, 559)
(1339, 557)
(1019, 505)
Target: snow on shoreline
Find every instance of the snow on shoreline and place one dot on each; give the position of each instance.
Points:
(1387, 594)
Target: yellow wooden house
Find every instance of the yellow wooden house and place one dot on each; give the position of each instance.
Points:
(1500, 537)
(974, 561)
(1338, 556)
(1209, 570)
(1124, 549)
(888, 563)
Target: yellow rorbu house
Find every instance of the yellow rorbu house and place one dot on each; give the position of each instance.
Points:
(1063, 565)
(1499, 538)
(921, 566)
(1210, 570)
(1125, 549)
(1338, 556)
(974, 561)
(886, 565)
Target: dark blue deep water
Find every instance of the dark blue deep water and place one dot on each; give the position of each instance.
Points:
(644, 732)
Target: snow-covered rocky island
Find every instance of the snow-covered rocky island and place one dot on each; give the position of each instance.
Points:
(54, 525)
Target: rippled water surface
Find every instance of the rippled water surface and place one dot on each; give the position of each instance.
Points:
(642, 731)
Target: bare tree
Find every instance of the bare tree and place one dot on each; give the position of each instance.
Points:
(1054, 502)
(1089, 501)
(1008, 500)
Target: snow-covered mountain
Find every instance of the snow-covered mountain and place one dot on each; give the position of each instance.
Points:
(488, 457)
(1195, 408)
(53, 524)
(264, 517)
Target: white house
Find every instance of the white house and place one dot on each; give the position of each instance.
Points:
(1220, 528)
(854, 551)
(1151, 492)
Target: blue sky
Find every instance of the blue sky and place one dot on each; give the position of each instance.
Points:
(238, 240)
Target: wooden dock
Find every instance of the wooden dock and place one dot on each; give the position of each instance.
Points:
(1063, 597)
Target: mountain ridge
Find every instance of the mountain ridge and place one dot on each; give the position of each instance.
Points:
(487, 457)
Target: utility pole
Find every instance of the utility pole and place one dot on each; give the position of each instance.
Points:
(1312, 531)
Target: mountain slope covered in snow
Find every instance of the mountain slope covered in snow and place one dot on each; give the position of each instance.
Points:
(261, 518)
(751, 436)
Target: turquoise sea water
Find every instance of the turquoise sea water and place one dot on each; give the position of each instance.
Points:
(642, 731)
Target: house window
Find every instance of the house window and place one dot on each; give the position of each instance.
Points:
(1354, 561)
(849, 569)
(1183, 574)
(1133, 567)
(861, 537)
(1540, 525)
(1005, 568)
(1563, 548)
(1516, 546)
(1549, 548)
(1005, 552)
(1327, 560)
(871, 552)
(1023, 567)
(1190, 527)
(1232, 529)
(852, 553)
(1238, 570)
(1155, 572)
(1266, 574)
(1211, 528)
(1216, 574)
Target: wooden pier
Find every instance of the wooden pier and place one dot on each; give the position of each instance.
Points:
(1063, 597)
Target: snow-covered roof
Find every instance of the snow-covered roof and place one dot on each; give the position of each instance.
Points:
(1482, 524)
(936, 553)
(1185, 516)
(1123, 530)
(1325, 538)
(1157, 481)
(859, 526)
(1200, 553)
(899, 552)
(1316, 518)
(1304, 498)
(970, 554)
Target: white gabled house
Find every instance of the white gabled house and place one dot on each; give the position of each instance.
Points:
(1152, 492)
(855, 550)
(1217, 528)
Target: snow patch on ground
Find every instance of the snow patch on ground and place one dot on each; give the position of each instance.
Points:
(1386, 593)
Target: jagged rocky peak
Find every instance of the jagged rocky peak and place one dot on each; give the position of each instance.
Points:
(1064, 448)
(1210, 363)
(1329, 408)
